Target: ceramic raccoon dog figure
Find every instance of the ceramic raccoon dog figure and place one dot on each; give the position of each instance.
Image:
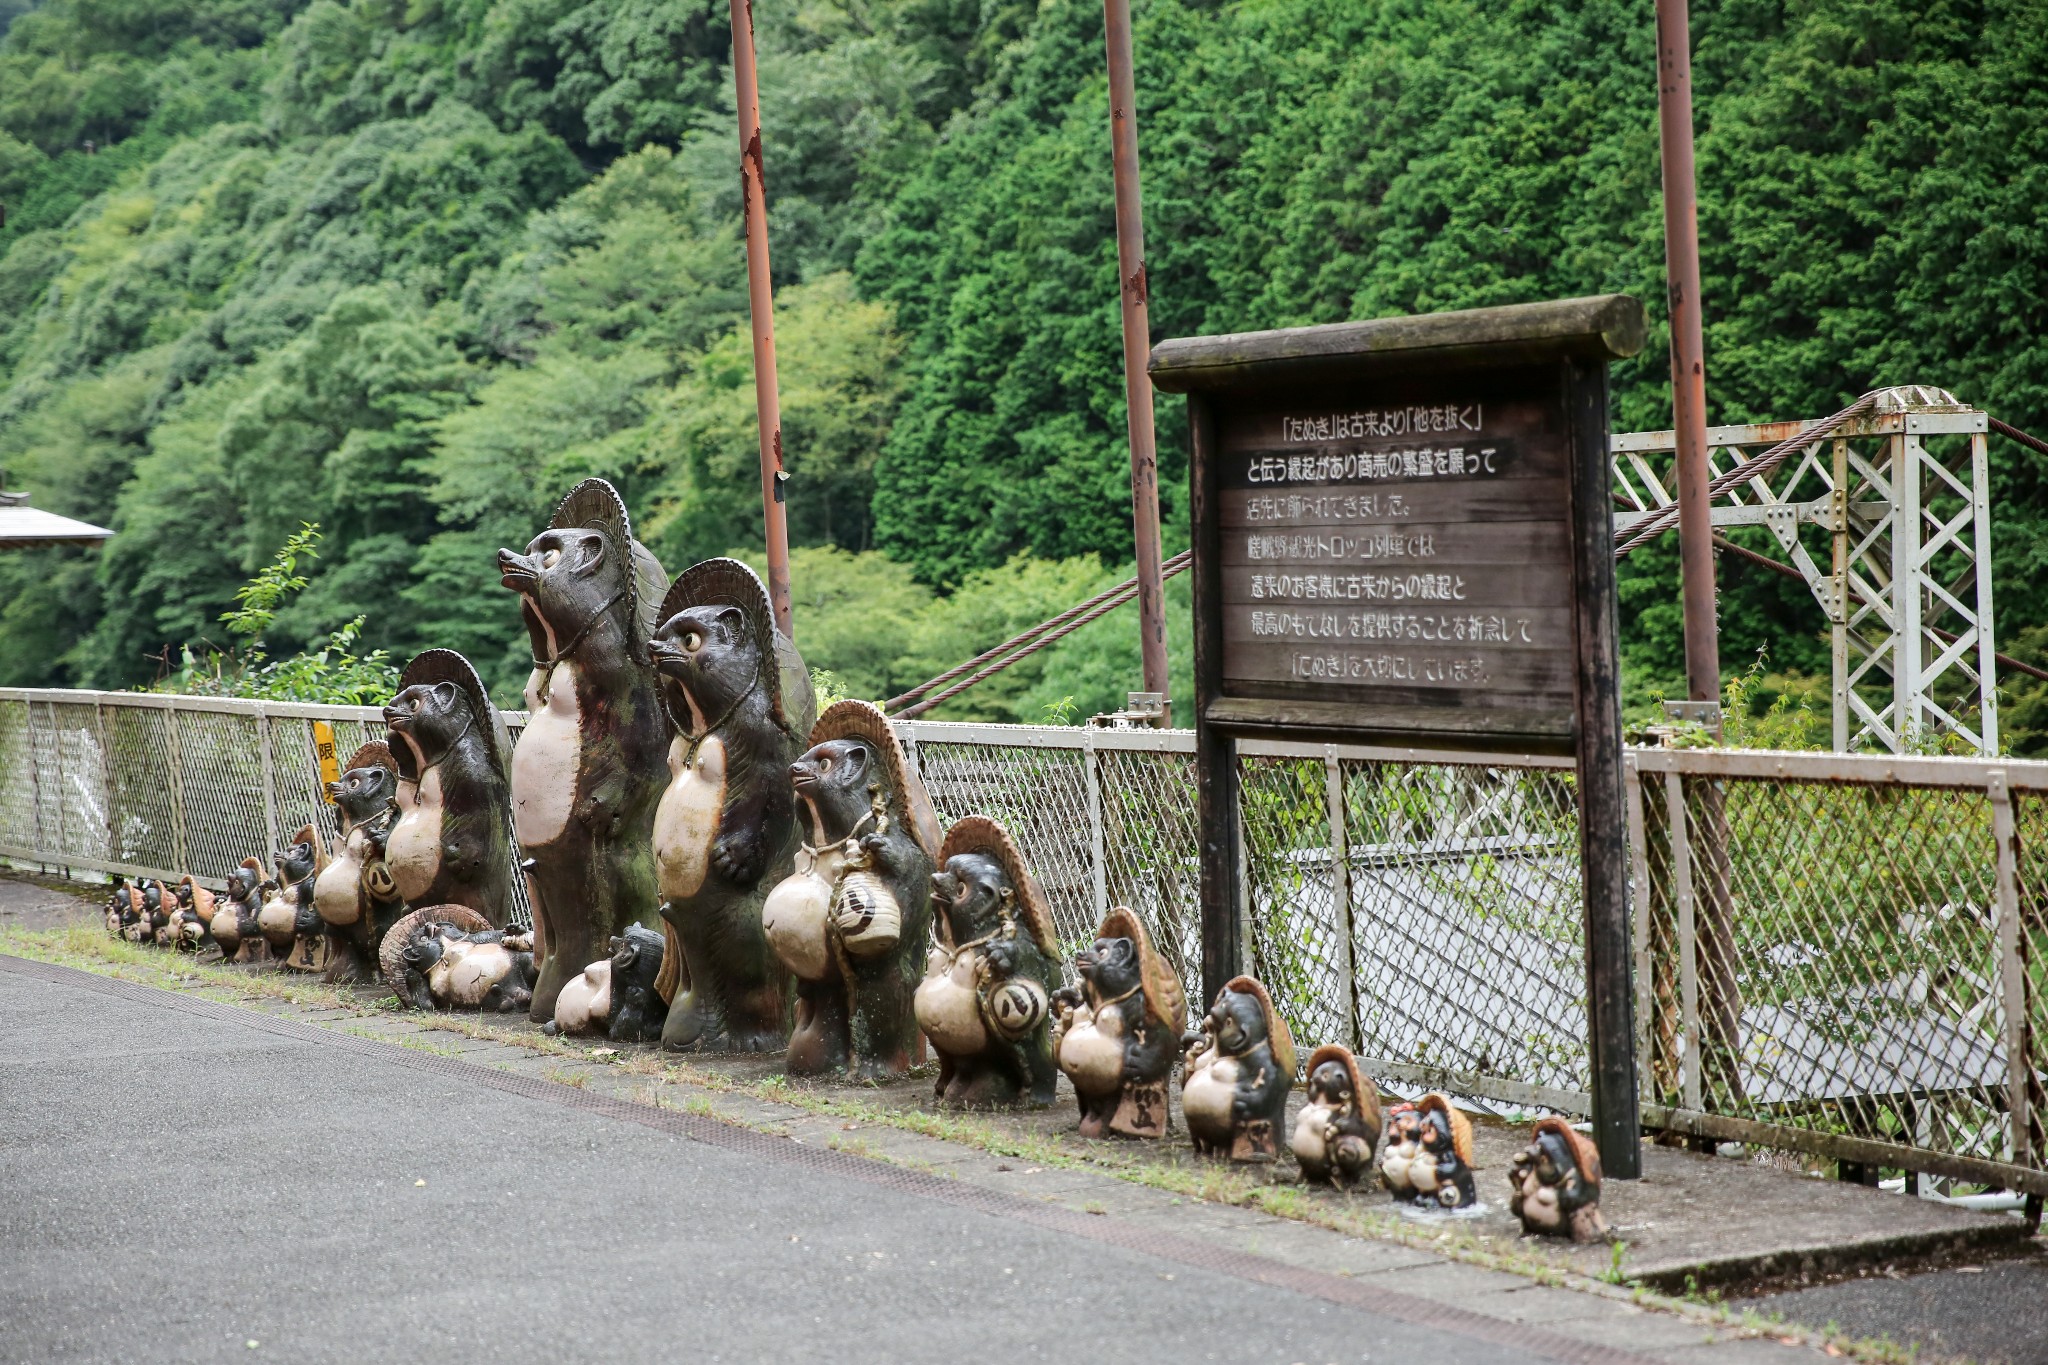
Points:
(451, 843)
(1240, 1067)
(739, 699)
(447, 957)
(290, 889)
(354, 894)
(590, 765)
(617, 994)
(1116, 1032)
(235, 918)
(191, 916)
(851, 921)
(1555, 1184)
(1336, 1131)
(290, 915)
(1429, 1153)
(987, 985)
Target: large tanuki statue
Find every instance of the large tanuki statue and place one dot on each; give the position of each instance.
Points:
(739, 699)
(450, 844)
(987, 983)
(590, 765)
(851, 921)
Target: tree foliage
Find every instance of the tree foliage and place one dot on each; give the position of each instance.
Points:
(408, 268)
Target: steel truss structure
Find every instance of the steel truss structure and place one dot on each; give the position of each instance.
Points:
(1888, 520)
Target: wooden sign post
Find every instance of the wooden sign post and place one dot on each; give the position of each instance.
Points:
(1403, 532)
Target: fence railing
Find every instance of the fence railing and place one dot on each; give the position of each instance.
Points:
(1841, 955)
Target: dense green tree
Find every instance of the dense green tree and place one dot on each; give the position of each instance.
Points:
(407, 268)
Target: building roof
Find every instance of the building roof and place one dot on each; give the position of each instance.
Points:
(31, 528)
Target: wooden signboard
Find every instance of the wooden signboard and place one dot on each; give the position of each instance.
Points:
(1403, 533)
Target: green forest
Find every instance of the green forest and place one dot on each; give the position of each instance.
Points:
(408, 269)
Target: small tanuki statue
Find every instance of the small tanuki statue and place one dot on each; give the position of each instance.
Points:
(739, 699)
(851, 922)
(1337, 1130)
(133, 908)
(234, 925)
(139, 920)
(120, 906)
(638, 1011)
(298, 873)
(451, 843)
(1240, 1066)
(355, 895)
(984, 1001)
(1429, 1154)
(617, 994)
(1554, 1184)
(191, 915)
(447, 957)
(1116, 1033)
(591, 763)
(290, 894)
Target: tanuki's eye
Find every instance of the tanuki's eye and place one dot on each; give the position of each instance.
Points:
(550, 559)
(692, 641)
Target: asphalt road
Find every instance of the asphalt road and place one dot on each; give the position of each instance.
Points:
(176, 1187)
(1995, 1314)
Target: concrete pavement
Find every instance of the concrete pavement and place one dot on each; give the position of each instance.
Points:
(183, 1178)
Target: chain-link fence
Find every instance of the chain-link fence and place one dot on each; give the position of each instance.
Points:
(1840, 955)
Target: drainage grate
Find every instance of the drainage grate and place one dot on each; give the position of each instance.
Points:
(1187, 1251)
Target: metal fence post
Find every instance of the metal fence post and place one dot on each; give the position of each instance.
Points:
(1688, 942)
(2011, 965)
(1340, 893)
(1639, 922)
(177, 757)
(269, 776)
(1098, 854)
(99, 737)
(35, 774)
(63, 845)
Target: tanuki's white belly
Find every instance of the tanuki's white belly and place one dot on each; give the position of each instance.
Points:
(547, 762)
(1308, 1141)
(1092, 1052)
(686, 821)
(278, 916)
(413, 849)
(338, 893)
(1205, 1098)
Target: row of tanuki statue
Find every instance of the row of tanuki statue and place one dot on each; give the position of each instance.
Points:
(672, 766)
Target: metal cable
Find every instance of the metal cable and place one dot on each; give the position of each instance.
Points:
(2033, 443)
(1037, 637)
(1108, 602)
(1030, 639)
(1666, 517)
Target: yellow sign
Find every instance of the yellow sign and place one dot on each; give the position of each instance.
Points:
(330, 763)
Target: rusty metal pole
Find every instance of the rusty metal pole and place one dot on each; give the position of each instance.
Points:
(1688, 352)
(761, 306)
(1130, 259)
(1720, 992)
